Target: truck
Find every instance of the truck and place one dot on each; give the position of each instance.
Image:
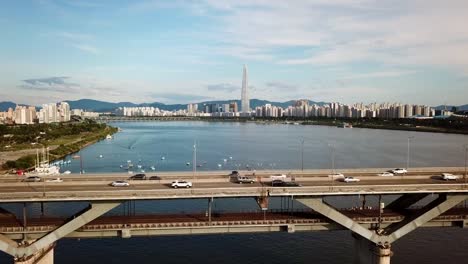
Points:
(278, 177)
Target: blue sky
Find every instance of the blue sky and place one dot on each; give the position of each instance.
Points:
(189, 51)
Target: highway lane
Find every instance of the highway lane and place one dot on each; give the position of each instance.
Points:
(225, 175)
(214, 174)
(155, 185)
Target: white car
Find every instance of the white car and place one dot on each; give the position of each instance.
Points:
(336, 175)
(181, 184)
(55, 180)
(385, 174)
(120, 184)
(449, 176)
(399, 171)
(351, 179)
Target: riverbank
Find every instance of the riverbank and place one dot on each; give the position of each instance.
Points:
(63, 140)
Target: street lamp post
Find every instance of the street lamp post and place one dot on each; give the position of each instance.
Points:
(466, 156)
(333, 157)
(194, 161)
(302, 154)
(408, 152)
(332, 147)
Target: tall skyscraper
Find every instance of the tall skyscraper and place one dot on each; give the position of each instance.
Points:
(244, 97)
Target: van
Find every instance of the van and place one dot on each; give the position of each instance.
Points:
(244, 179)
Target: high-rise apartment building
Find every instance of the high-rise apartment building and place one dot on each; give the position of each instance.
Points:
(245, 102)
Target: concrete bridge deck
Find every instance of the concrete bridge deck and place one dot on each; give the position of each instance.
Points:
(215, 184)
(32, 238)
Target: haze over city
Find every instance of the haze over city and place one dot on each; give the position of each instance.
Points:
(192, 51)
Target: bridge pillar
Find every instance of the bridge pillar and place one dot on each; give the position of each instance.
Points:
(44, 256)
(367, 252)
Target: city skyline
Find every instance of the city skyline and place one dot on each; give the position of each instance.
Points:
(182, 52)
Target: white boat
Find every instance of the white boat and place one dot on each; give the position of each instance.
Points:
(67, 172)
(43, 167)
(143, 171)
(108, 137)
(230, 158)
(139, 166)
(101, 156)
(163, 158)
(153, 168)
(225, 160)
(188, 163)
(129, 161)
(219, 165)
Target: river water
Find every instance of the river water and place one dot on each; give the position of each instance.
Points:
(168, 146)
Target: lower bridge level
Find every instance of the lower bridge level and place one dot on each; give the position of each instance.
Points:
(218, 222)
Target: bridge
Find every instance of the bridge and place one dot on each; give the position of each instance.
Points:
(423, 199)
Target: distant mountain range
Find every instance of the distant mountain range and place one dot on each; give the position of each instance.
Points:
(449, 107)
(102, 106)
(5, 105)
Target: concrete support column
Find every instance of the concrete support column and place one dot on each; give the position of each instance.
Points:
(45, 256)
(367, 252)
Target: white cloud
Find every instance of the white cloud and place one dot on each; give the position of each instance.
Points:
(344, 31)
(87, 48)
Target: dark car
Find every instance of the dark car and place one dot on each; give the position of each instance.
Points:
(139, 176)
(32, 179)
(234, 173)
(280, 183)
(155, 177)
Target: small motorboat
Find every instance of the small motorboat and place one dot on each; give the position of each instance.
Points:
(188, 163)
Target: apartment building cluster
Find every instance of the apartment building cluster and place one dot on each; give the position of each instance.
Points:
(19, 115)
(54, 113)
(84, 114)
(148, 111)
(49, 113)
(301, 108)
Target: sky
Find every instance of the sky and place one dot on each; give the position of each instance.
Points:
(407, 51)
